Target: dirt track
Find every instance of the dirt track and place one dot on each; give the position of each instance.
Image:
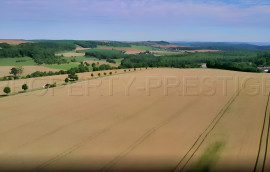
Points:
(104, 124)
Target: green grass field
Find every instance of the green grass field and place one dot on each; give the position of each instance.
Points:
(118, 61)
(25, 61)
(141, 47)
(78, 58)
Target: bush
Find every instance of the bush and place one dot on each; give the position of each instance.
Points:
(25, 87)
(7, 90)
(110, 73)
(73, 59)
(73, 76)
(105, 67)
(111, 61)
(53, 85)
(66, 80)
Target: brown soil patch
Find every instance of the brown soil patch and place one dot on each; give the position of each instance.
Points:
(71, 54)
(78, 48)
(15, 42)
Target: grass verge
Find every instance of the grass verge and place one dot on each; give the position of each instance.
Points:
(209, 158)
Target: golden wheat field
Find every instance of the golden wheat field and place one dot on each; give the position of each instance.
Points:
(5, 70)
(155, 119)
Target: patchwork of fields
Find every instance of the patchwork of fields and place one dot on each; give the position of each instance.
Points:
(155, 119)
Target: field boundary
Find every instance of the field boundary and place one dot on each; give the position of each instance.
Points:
(263, 145)
(197, 144)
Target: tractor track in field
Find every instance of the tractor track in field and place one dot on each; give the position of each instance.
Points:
(125, 152)
(145, 136)
(90, 138)
(263, 146)
(197, 144)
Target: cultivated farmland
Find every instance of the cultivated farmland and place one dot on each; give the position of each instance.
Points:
(15, 42)
(5, 70)
(154, 119)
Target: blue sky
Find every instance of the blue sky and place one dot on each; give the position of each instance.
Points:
(136, 20)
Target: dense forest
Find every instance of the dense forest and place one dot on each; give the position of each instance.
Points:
(241, 61)
(105, 54)
(94, 44)
(41, 52)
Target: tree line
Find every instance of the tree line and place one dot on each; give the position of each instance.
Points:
(240, 61)
(40, 52)
(94, 44)
(105, 54)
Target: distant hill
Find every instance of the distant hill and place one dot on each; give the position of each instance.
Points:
(223, 46)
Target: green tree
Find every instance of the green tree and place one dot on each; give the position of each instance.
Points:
(73, 76)
(7, 90)
(105, 73)
(110, 73)
(87, 64)
(99, 74)
(16, 71)
(25, 87)
(66, 80)
(92, 74)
